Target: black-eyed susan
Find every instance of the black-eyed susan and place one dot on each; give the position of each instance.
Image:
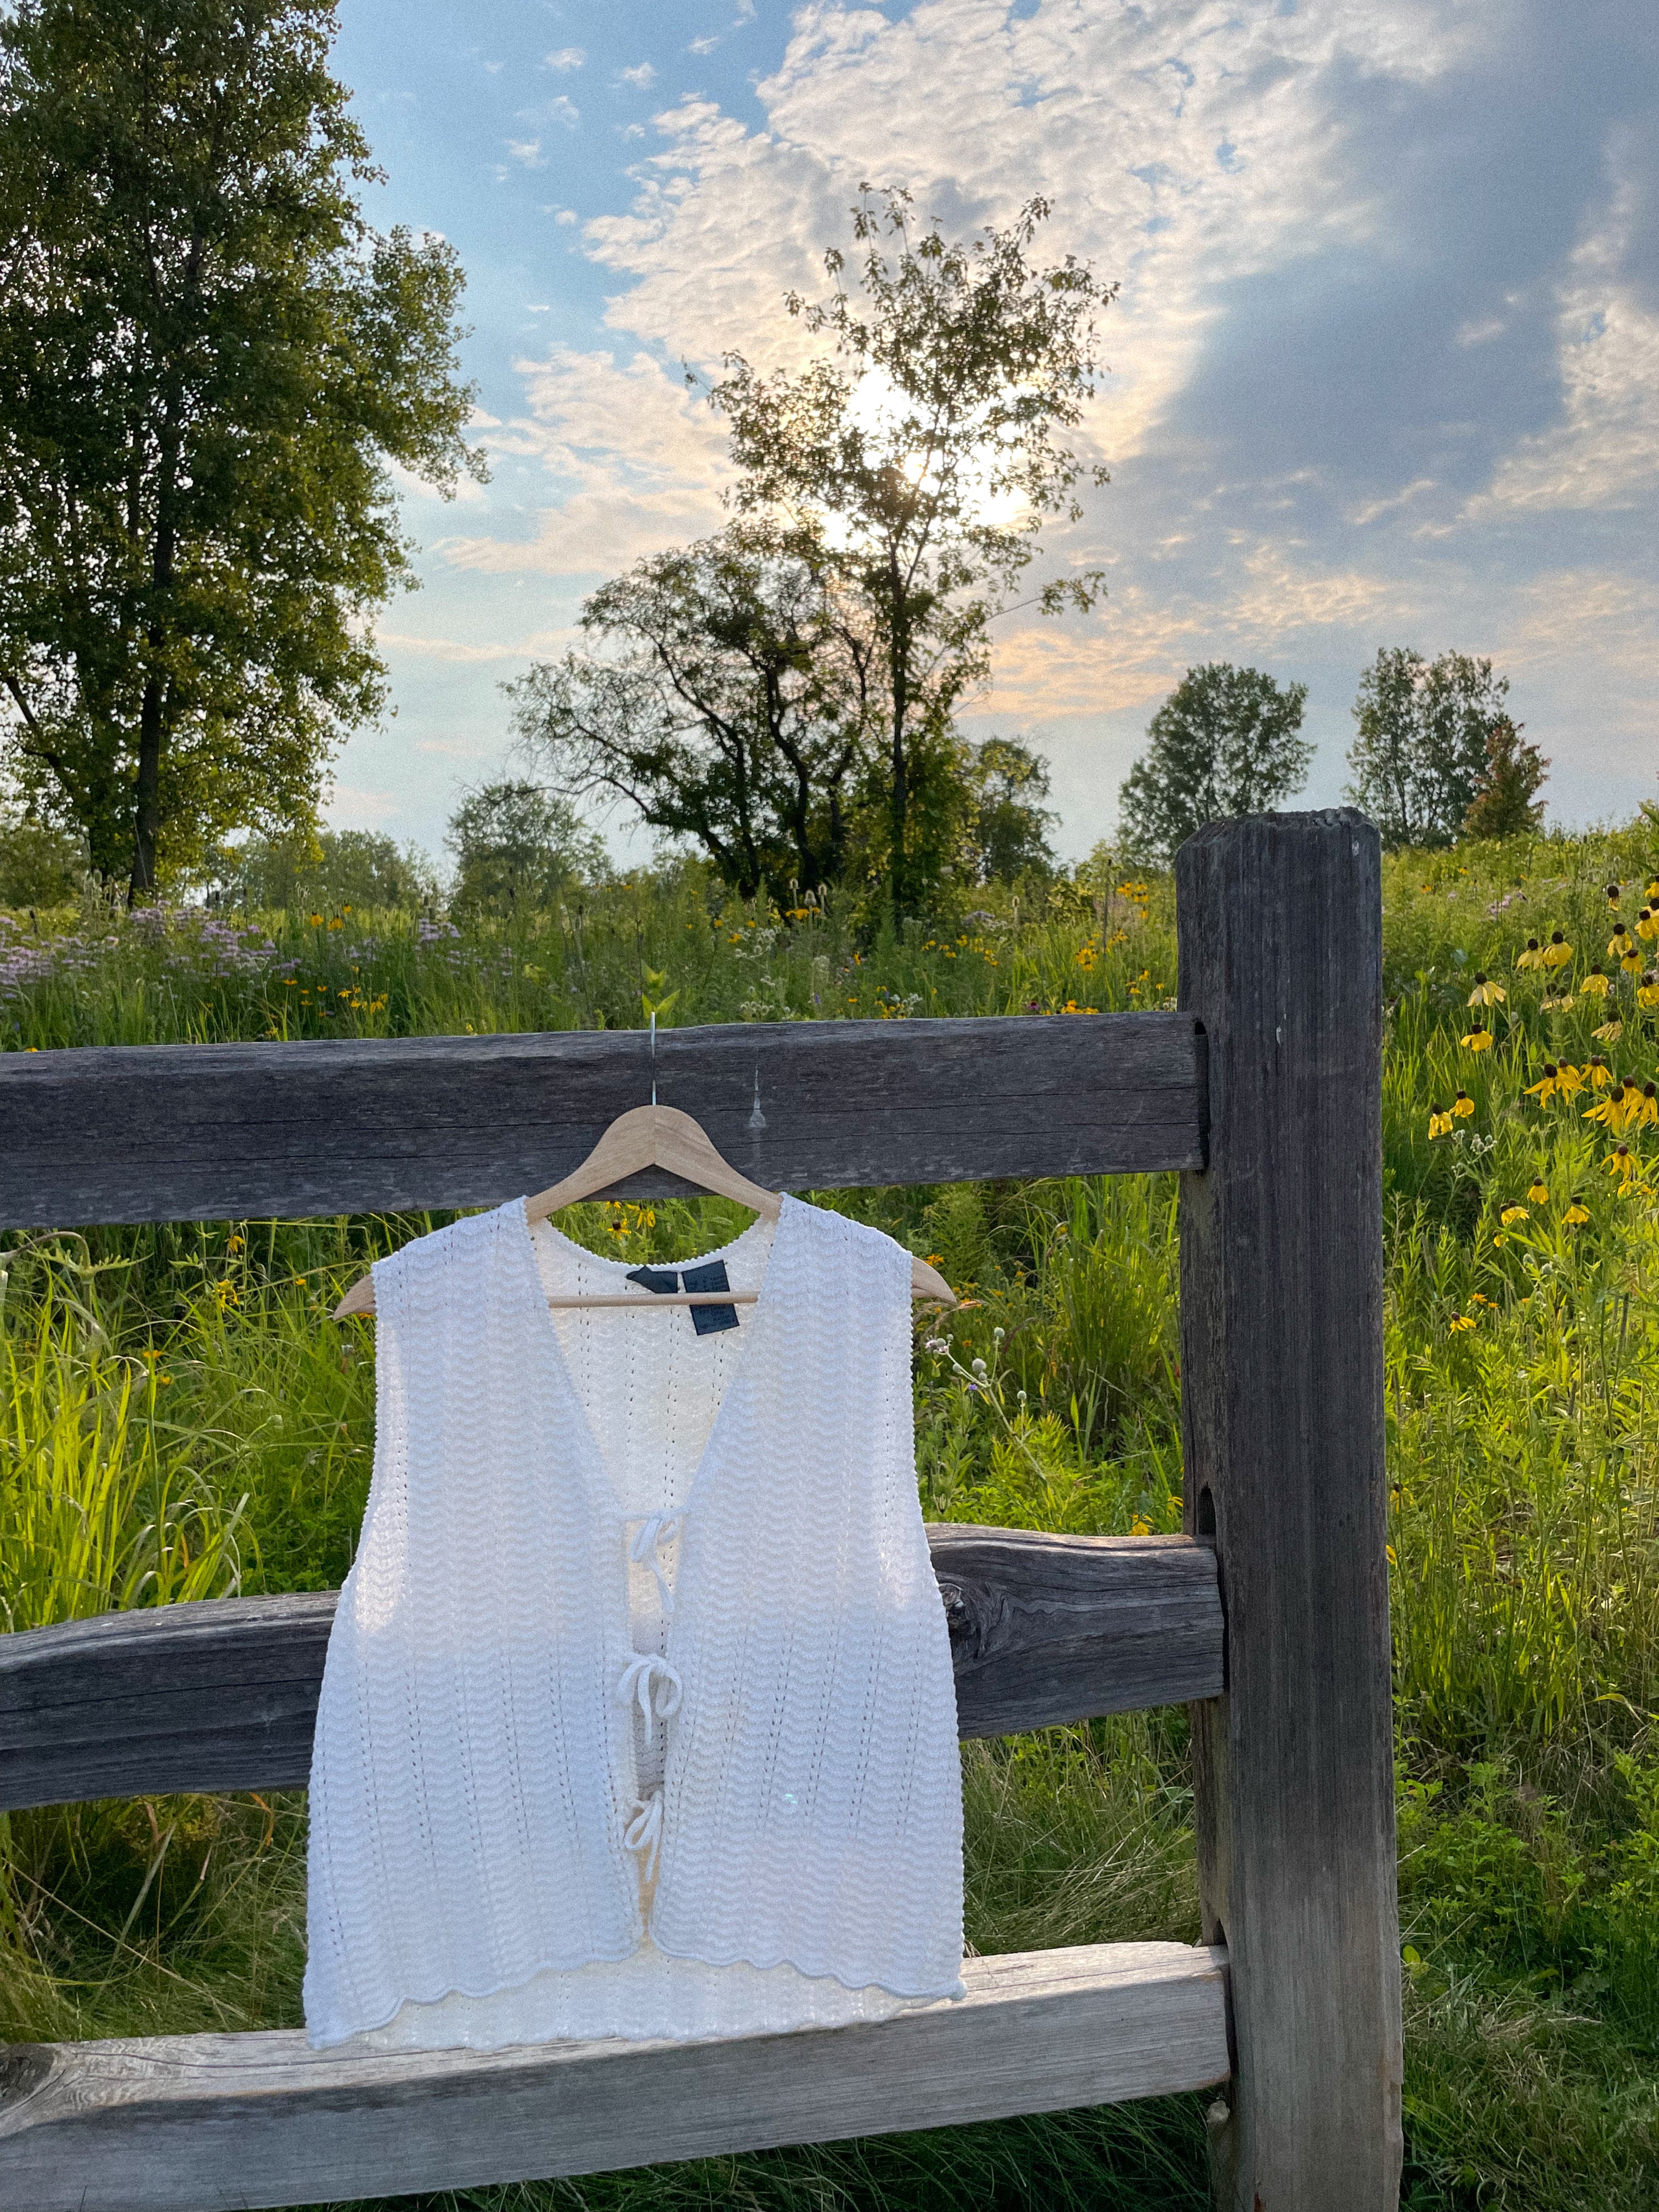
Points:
(1653, 892)
(1459, 1323)
(1478, 1039)
(1462, 1105)
(1538, 1192)
(1608, 1032)
(1596, 985)
(1612, 894)
(1619, 943)
(1440, 1121)
(1569, 1080)
(1609, 1111)
(1558, 953)
(1546, 1086)
(1512, 1214)
(1532, 955)
(1620, 1162)
(1647, 991)
(1647, 925)
(1631, 959)
(1577, 1214)
(1645, 1109)
(1559, 1005)
(1597, 1072)
(1487, 994)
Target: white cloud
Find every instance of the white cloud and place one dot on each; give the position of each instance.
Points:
(702, 46)
(1376, 507)
(565, 57)
(527, 152)
(561, 110)
(642, 77)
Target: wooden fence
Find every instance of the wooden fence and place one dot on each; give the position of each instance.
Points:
(1269, 1616)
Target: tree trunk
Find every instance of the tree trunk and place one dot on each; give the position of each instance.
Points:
(898, 802)
(147, 828)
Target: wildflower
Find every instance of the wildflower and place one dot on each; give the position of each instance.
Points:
(1486, 994)
(1653, 892)
(1557, 952)
(1631, 961)
(1622, 1162)
(1571, 1082)
(1619, 943)
(1644, 1109)
(1577, 1214)
(1610, 1111)
(1599, 1073)
(1647, 991)
(1538, 1192)
(1546, 1086)
(1595, 984)
(1612, 894)
(316, 920)
(1440, 1121)
(1608, 1032)
(1532, 956)
(1462, 1105)
(1459, 1321)
(937, 1344)
(1500, 1239)
(1479, 1038)
(1647, 925)
(1512, 1215)
(1555, 1005)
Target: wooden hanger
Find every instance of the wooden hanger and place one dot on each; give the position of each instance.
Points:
(657, 1137)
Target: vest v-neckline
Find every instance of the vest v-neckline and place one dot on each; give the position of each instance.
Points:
(600, 1484)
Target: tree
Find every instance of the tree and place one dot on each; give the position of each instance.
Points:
(331, 869)
(39, 866)
(208, 363)
(1506, 805)
(921, 458)
(1419, 754)
(1007, 828)
(516, 847)
(1225, 742)
(726, 698)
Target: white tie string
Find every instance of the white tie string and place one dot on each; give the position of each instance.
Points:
(644, 1831)
(637, 1679)
(656, 1529)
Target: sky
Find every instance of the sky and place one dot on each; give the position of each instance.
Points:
(1383, 363)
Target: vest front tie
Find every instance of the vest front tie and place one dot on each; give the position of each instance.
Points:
(656, 1684)
(644, 1831)
(655, 1530)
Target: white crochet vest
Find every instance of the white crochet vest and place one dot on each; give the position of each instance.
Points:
(605, 1750)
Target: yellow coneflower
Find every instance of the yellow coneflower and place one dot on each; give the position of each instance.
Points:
(1647, 925)
(1568, 1081)
(1647, 991)
(1653, 892)
(1512, 1215)
(1462, 1105)
(1608, 1032)
(1538, 1192)
(1608, 1111)
(1440, 1121)
(1546, 1086)
(1619, 943)
(1459, 1321)
(1532, 956)
(1478, 1040)
(1486, 994)
(1557, 1005)
(1645, 1108)
(1596, 985)
(1612, 894)
(1577, 1214)
(1631, 961)
(1599, 1073)
(1622, 1162)
(1557, 952)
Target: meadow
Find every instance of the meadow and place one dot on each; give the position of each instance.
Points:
(181, 1419)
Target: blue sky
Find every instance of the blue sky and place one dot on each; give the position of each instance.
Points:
(1385, 361)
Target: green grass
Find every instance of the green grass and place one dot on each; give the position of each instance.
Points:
(182, 1418)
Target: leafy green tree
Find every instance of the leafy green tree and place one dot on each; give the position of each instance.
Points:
(331, 869)
(208, 363)
(725, 697)
(1506, 804)
(1008, 825)
(516, 847)
(39, 866)
(1225, 742)
(922, 456)
(1419, 754)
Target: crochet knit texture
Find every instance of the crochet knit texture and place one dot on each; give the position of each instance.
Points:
(638, 1716)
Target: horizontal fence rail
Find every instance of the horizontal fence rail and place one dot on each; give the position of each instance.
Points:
(223, 1694)
(203, 2123)
(172, 1132)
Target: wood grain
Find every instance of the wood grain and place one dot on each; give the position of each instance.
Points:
(156, 1133)
(1281, 1308)
(205, 2123)
(222, 1695)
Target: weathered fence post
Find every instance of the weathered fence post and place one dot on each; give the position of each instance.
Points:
(1280, 919)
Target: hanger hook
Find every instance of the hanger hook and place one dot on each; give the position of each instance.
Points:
(653, 1056)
